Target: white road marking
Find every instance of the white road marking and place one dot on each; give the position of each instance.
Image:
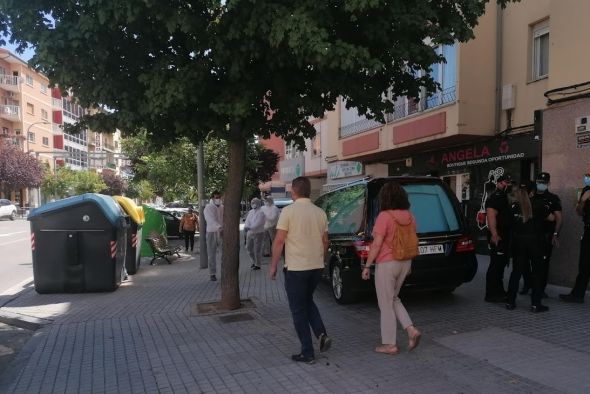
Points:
(15, 241)
(9, 234)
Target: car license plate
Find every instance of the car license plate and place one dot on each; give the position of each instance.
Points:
(431, 249)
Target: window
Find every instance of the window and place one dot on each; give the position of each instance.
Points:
(46, 141)
(4, 130)
(30, 109)
(291, 151)
(540, 51)
(43, 89)
(344, 208)
(44, 114)
(31, 137)
(316, 142)
(29, 80)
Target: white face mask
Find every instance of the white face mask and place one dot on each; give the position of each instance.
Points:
(217, 201)
(254, 206)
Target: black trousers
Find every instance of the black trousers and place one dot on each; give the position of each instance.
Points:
(528, 255)
(547, 249)
(499, 258)
(581, 285)
(189, 237)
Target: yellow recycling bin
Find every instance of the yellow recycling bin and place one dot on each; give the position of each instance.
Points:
(132, 258)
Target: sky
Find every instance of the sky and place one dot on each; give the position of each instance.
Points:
(24, 56)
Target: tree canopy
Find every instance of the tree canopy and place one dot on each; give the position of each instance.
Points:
(238, 68)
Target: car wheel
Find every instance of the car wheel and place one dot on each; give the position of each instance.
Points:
(341, 286)
(13, 215)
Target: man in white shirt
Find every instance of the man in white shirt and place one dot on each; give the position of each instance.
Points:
(254, 227)
(213, 213)
(270, 226)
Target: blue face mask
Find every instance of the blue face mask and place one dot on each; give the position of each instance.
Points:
(587, 180)
(541, 187)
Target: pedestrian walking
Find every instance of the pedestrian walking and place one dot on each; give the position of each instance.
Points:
(527, 240)
(551, 228)
(583, 209)
(499, 217)
(254, 228)
(391, 273)
(271, 212)
(213, 213)
(303, 230)
(189, 224)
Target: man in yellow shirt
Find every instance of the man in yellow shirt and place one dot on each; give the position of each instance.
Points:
(303, 230)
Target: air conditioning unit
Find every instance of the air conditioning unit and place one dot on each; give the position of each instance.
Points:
(582, 124)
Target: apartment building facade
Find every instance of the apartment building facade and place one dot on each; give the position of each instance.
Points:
(25, 115)
(512, 100)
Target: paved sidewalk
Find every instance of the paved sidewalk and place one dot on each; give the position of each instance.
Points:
(146, 338)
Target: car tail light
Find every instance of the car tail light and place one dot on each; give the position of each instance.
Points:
(465, 244)
(362, 249)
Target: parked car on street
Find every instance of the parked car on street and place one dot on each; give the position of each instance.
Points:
(172, 222)
(7, 209)
(447, 252)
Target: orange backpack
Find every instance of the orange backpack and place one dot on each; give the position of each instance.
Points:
(404, 245)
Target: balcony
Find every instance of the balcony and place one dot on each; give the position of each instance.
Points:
(10, 82)
(10, 112)
(56, 128)
(57, 103)
(402, 110)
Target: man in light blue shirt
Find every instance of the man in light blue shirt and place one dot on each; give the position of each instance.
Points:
(254, 227)
(213, 213)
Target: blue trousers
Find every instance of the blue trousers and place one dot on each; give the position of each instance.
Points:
(300, 286)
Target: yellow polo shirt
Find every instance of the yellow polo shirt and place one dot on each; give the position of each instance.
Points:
(305, 225)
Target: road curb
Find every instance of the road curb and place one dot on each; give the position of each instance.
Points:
(23, 321)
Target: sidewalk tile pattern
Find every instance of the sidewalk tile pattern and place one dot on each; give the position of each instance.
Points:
(143, 339)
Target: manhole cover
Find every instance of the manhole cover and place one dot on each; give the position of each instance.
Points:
(235, 318)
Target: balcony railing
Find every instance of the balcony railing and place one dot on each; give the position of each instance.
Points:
(10, 82)
(411, 107)
(10, 112)
(401, 111)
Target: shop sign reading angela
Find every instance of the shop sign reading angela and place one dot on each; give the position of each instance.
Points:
(479, 154)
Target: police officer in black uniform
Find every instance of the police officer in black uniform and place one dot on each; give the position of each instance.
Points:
(583, 209)
(499, 217)
(527, 244)
(551, 228)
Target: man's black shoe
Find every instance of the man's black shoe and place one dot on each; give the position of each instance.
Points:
(213, 278)
(510, 306)
(571, 298)
(539, 308)
(302, 359)
(256, 268)
(325, 342)
(495, 299)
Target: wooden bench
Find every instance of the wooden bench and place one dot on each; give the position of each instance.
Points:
(161, 249)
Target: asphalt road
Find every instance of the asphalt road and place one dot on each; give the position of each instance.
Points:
(15, 253)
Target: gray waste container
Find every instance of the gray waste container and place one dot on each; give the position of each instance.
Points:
(78, 244)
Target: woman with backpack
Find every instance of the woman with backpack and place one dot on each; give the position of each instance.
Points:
(394, 245)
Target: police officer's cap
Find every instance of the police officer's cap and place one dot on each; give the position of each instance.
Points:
(543, 177)
(504, 178)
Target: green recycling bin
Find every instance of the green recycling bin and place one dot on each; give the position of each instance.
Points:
(78, 244)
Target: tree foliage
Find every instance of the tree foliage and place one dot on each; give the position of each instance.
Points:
(115, 185)
(238, 68)
(18, 169)
(57, 183)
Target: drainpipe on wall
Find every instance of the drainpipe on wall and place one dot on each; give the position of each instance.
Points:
(499, 48)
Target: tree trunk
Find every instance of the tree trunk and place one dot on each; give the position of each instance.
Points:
(230, 262)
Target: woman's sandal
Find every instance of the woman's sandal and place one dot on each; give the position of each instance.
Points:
(387, 349)
(414, 340)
